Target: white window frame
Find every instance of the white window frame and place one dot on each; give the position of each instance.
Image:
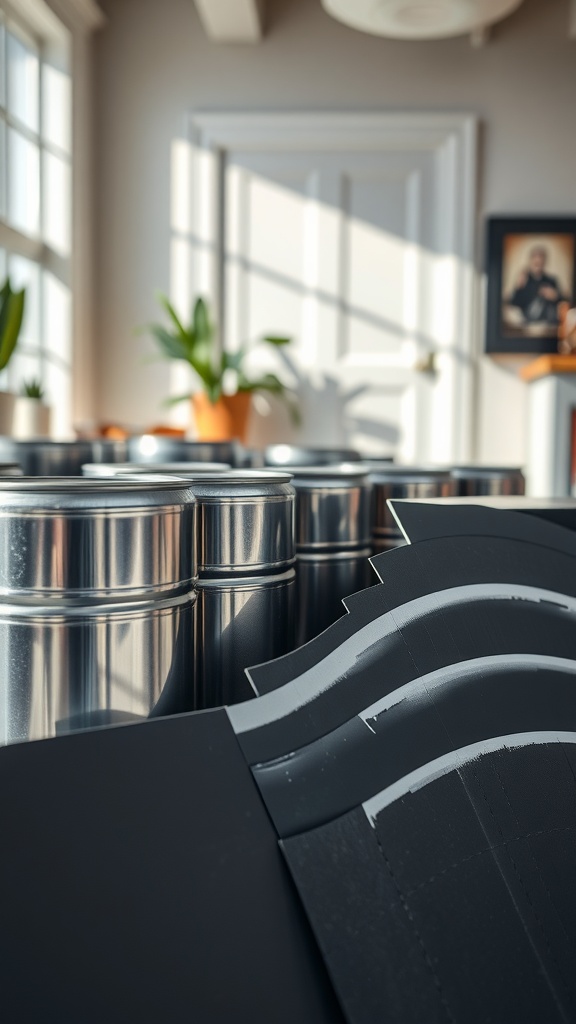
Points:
(69, 23)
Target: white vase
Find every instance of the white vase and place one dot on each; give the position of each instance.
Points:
(7, 407)
(31, 418)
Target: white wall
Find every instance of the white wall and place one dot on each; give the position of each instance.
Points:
(153, 63)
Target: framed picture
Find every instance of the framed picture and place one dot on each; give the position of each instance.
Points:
(531, 267)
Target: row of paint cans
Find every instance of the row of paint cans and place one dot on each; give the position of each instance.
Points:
(66, 458)
(342, 516)
(402, 482)
(423, 482)
(246, 572)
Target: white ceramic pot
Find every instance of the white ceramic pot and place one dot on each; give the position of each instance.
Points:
(7, 408)
(31, 418)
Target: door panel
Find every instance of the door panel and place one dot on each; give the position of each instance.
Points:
(354, 252)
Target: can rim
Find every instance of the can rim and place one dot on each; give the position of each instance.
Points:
(71, 484)
(407, 474)
(337, 471)
(481, 472)
(112, 469)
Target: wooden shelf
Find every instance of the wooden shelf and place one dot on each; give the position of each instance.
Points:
(546, 366)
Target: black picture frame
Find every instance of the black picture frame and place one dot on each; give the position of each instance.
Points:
(503, 233)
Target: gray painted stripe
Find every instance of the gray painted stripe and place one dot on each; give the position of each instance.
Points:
(467, 671)
(456, 759)
(287, 699)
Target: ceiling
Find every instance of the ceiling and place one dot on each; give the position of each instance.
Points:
(244, 21)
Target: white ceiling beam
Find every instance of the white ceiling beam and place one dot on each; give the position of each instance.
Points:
(232, 21)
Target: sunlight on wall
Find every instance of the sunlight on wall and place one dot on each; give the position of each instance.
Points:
(193, 218)
(362, 302)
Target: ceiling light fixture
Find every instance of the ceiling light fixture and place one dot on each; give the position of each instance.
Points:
(419, 19)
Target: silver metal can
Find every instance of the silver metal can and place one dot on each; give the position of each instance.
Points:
(47, 458)
(183, 469)
(332, 542)
(475, 481)
(303, 455)
(323, 581)
(106, 450)
(59, 458)
(246, 578)
(96, 602)
(158, 448)
(402, 482)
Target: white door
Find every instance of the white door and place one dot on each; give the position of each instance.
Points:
(353, 235)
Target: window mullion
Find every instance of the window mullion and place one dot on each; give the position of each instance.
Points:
(20, 243)
(39, 254)
(42, 193)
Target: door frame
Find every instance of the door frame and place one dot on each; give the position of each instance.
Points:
(451, 137)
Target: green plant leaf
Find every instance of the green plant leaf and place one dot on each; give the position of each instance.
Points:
(205, 370)
(172, 347)
(175, 400)
(273, 340)
(214, 391)
(268, 382)
(233, 360)
(11, 316)
(167, 305)
(201, 325)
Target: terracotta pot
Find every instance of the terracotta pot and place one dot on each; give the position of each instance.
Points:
(222, 420)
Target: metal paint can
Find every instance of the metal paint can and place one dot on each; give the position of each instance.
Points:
(303, 455)
(475, 481)
(402, 482)
(333, 505)
(246, 578)
(96, 602)
(59, 458)
(158, 448)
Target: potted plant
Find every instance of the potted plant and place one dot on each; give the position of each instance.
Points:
(222, 406)
(31, 415)
(11, 316)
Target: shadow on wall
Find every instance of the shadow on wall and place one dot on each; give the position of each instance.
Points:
(349, 255)
(270, 420)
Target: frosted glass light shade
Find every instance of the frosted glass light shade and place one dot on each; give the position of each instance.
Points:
(419, 19)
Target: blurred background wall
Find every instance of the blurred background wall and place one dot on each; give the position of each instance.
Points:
(153, 64)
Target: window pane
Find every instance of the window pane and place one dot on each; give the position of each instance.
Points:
(23, 367)
(56, 187)
(23, 71)
(23, 183)
(56, 107)
(2, 168)
(57, 319)
(25, 274)
(2, 59)
(59, 397)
